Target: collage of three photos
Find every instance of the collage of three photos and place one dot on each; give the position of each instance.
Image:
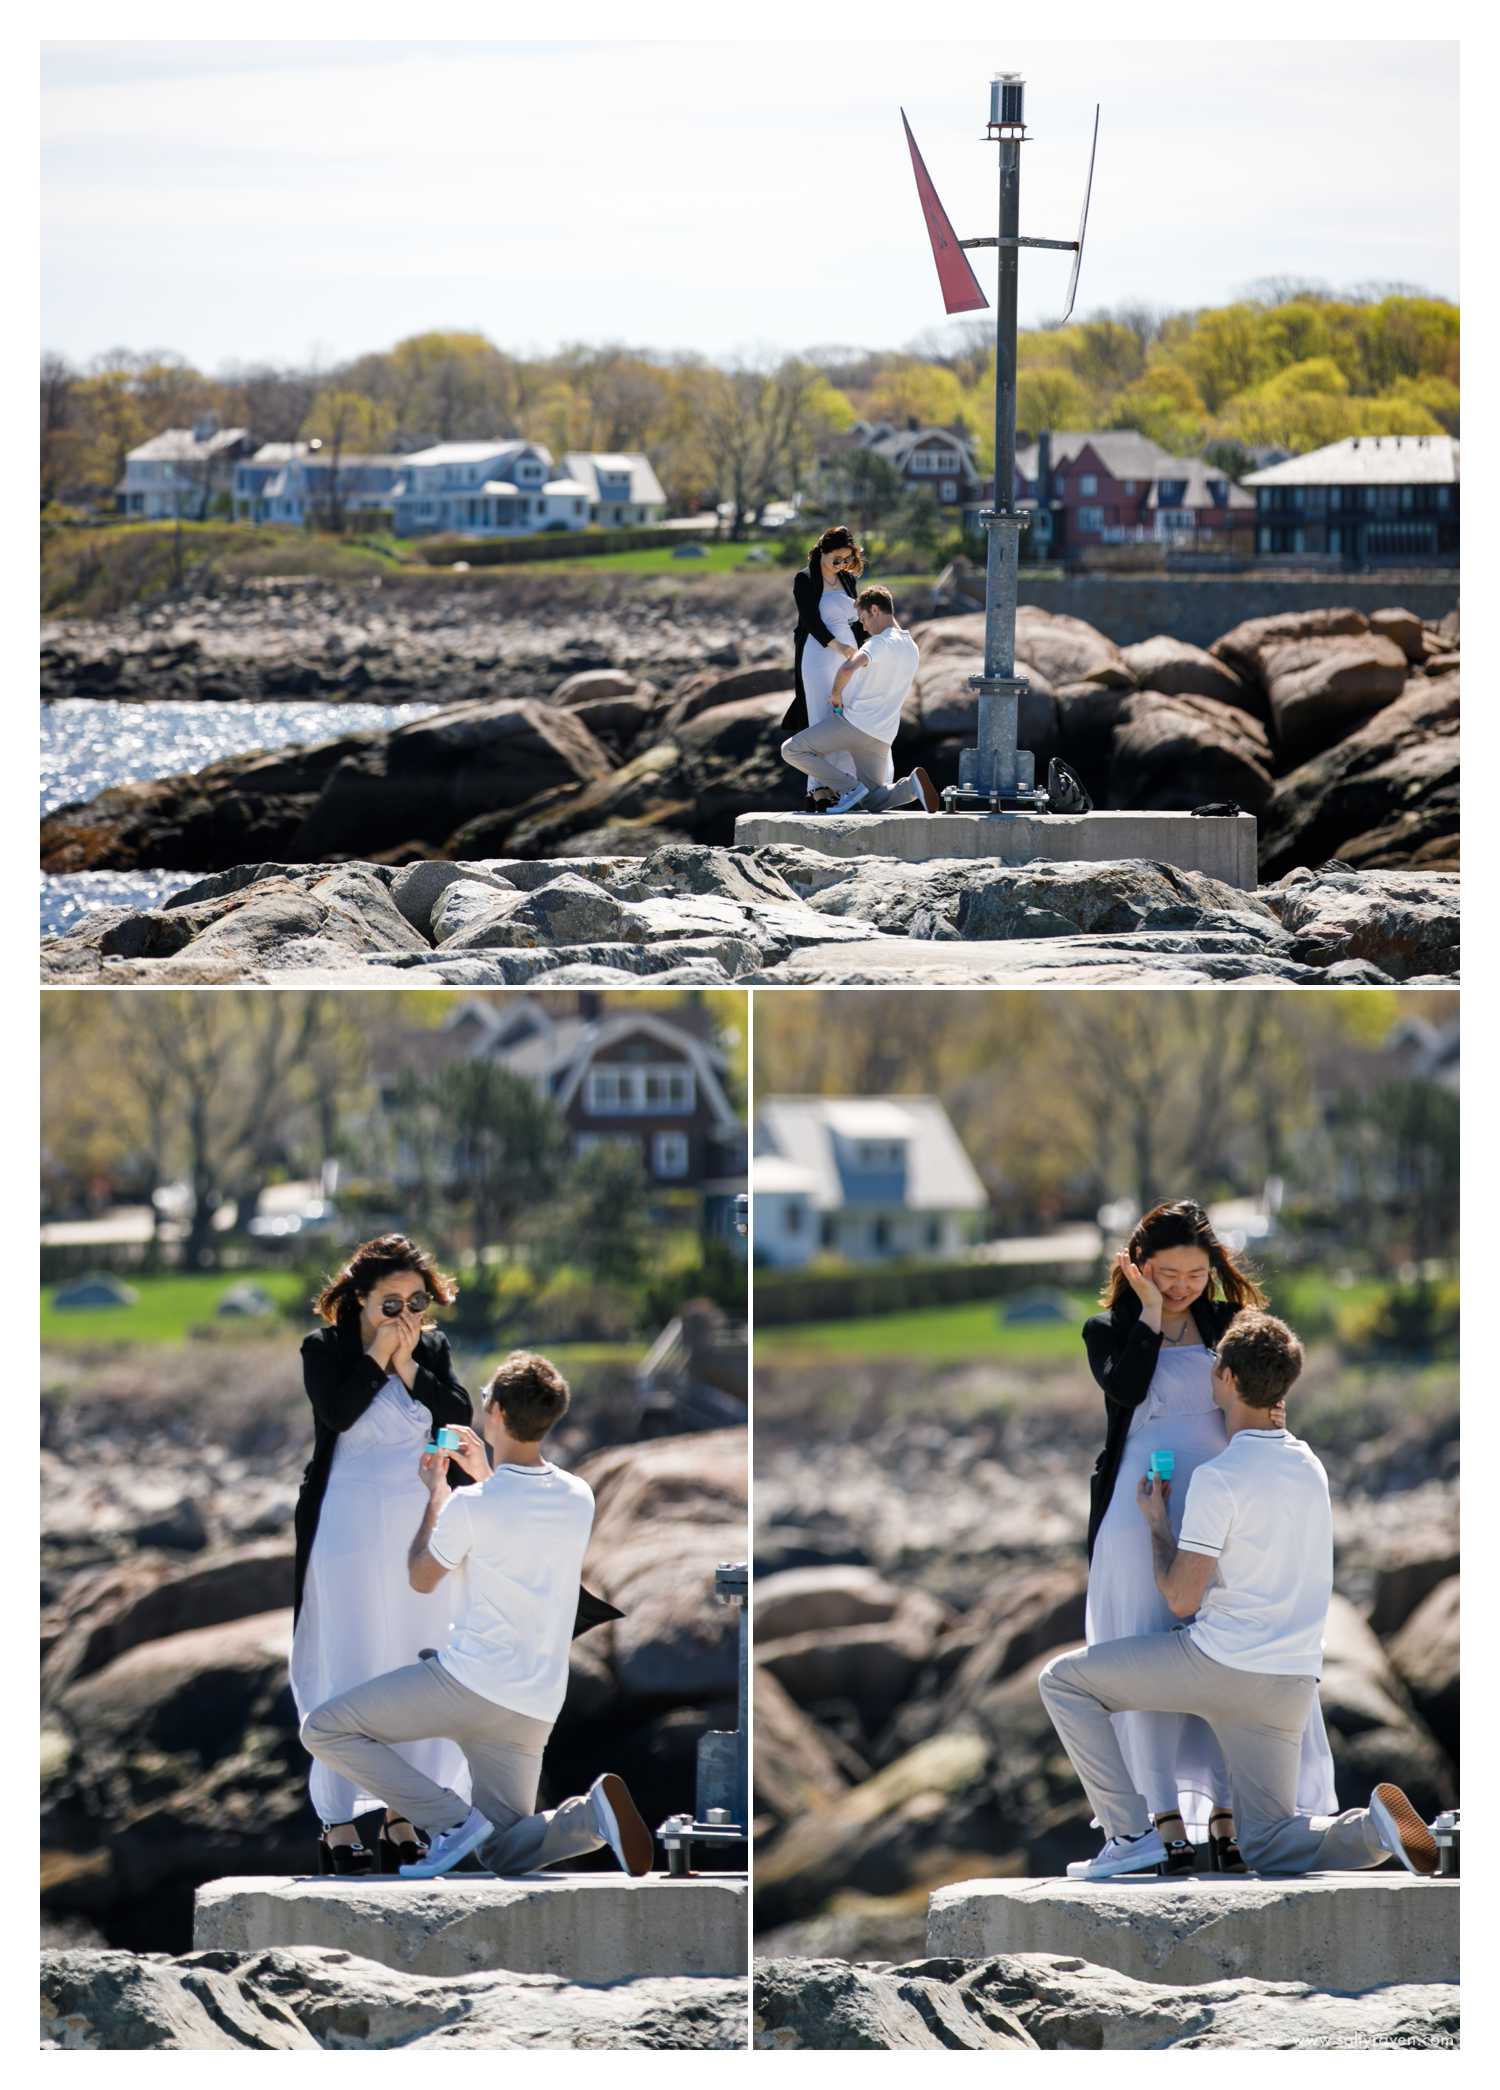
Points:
(750, 1050)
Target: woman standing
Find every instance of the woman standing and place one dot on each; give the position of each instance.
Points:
(1174, 1290)
(828, 634)
(380, 1380)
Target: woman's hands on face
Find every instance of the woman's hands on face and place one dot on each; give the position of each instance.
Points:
(472, 1454)
(382, 1344)
(1139, 1282)
(403, 1356)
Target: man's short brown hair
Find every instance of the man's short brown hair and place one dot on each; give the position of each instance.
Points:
(532, 1394)
(1263, 1357)
(876, 598)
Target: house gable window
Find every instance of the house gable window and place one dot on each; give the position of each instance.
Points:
(1088, 483)
(631, 1089)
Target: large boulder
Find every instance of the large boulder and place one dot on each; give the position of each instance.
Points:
(869, 1668)
(1385, 796)
(1405, 627)
(427, 778)
(1244, 649)
(651, 788)
(799, 1766)
(946, 708)
(1319, 689)
(1176, 669)
(310, 1999)
(1066, 649)
(827, 2006)
(1369, 1714)
(152, 1598)
(667, 1514)
(1173, 753)
(709, 689)
(173, 1763)
(593, 685)
(897, 1830)
(1074, 2006)
(828, 1599)
(1424, 1655)
(1404, 922)
(1408, 1574)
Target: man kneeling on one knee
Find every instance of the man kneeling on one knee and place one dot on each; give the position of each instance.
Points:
(868, 694)
(514, 1541)
(1253, 1572)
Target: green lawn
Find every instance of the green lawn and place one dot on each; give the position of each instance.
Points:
(929, 1334)
(167, 1307)
(170, 1306)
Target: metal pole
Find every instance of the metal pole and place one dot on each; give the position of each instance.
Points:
(998, 773)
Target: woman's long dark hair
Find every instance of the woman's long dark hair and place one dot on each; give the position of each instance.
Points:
(837, 539)
(1184, 1224)
(386, 1256)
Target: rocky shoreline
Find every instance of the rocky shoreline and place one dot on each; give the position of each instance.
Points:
(307, 1999)
(687, 915)
(1337, 730)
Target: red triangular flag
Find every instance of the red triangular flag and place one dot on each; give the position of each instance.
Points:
(961, 291)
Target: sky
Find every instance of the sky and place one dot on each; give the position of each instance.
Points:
(300, 203)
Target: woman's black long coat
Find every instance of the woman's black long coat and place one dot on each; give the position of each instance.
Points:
(1122, 1357)
(807, 591)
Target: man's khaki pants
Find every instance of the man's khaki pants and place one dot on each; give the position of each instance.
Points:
(1258, 1720)
(834, 735)
(504, 1749)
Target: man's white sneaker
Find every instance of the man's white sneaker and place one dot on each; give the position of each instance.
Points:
(1120, 1855)
(451, 1847)
(614, 1816)
(1402, 1830)
(854, 796)
(927, 791)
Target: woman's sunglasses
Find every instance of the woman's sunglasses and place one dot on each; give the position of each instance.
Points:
(393, 1305)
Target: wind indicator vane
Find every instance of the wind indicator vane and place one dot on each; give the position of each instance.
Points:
(998, 775)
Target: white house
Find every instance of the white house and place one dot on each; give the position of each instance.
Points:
(179, 471)
(501, 488)
(293, 483)
(622, 487)
(868, 1178)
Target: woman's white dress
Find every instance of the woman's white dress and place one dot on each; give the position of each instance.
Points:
(821, 663)
(360, 1615)
(1173, 1757)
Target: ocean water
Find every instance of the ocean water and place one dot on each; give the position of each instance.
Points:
(89, 744)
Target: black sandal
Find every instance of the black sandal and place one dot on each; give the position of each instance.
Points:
(346, 1860)
(394, 1852)
(1180, 1858)
(1224, 1853)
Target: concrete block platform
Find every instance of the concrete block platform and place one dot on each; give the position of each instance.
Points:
(1222, 847)
(1336, 1930)
(591, 1927)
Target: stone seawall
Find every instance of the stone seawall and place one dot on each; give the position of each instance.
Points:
(1199, 607)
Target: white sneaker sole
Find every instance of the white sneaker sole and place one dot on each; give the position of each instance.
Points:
(1403, 1830)
(1090, 1869)
(454, 1854)
(620, 1824)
